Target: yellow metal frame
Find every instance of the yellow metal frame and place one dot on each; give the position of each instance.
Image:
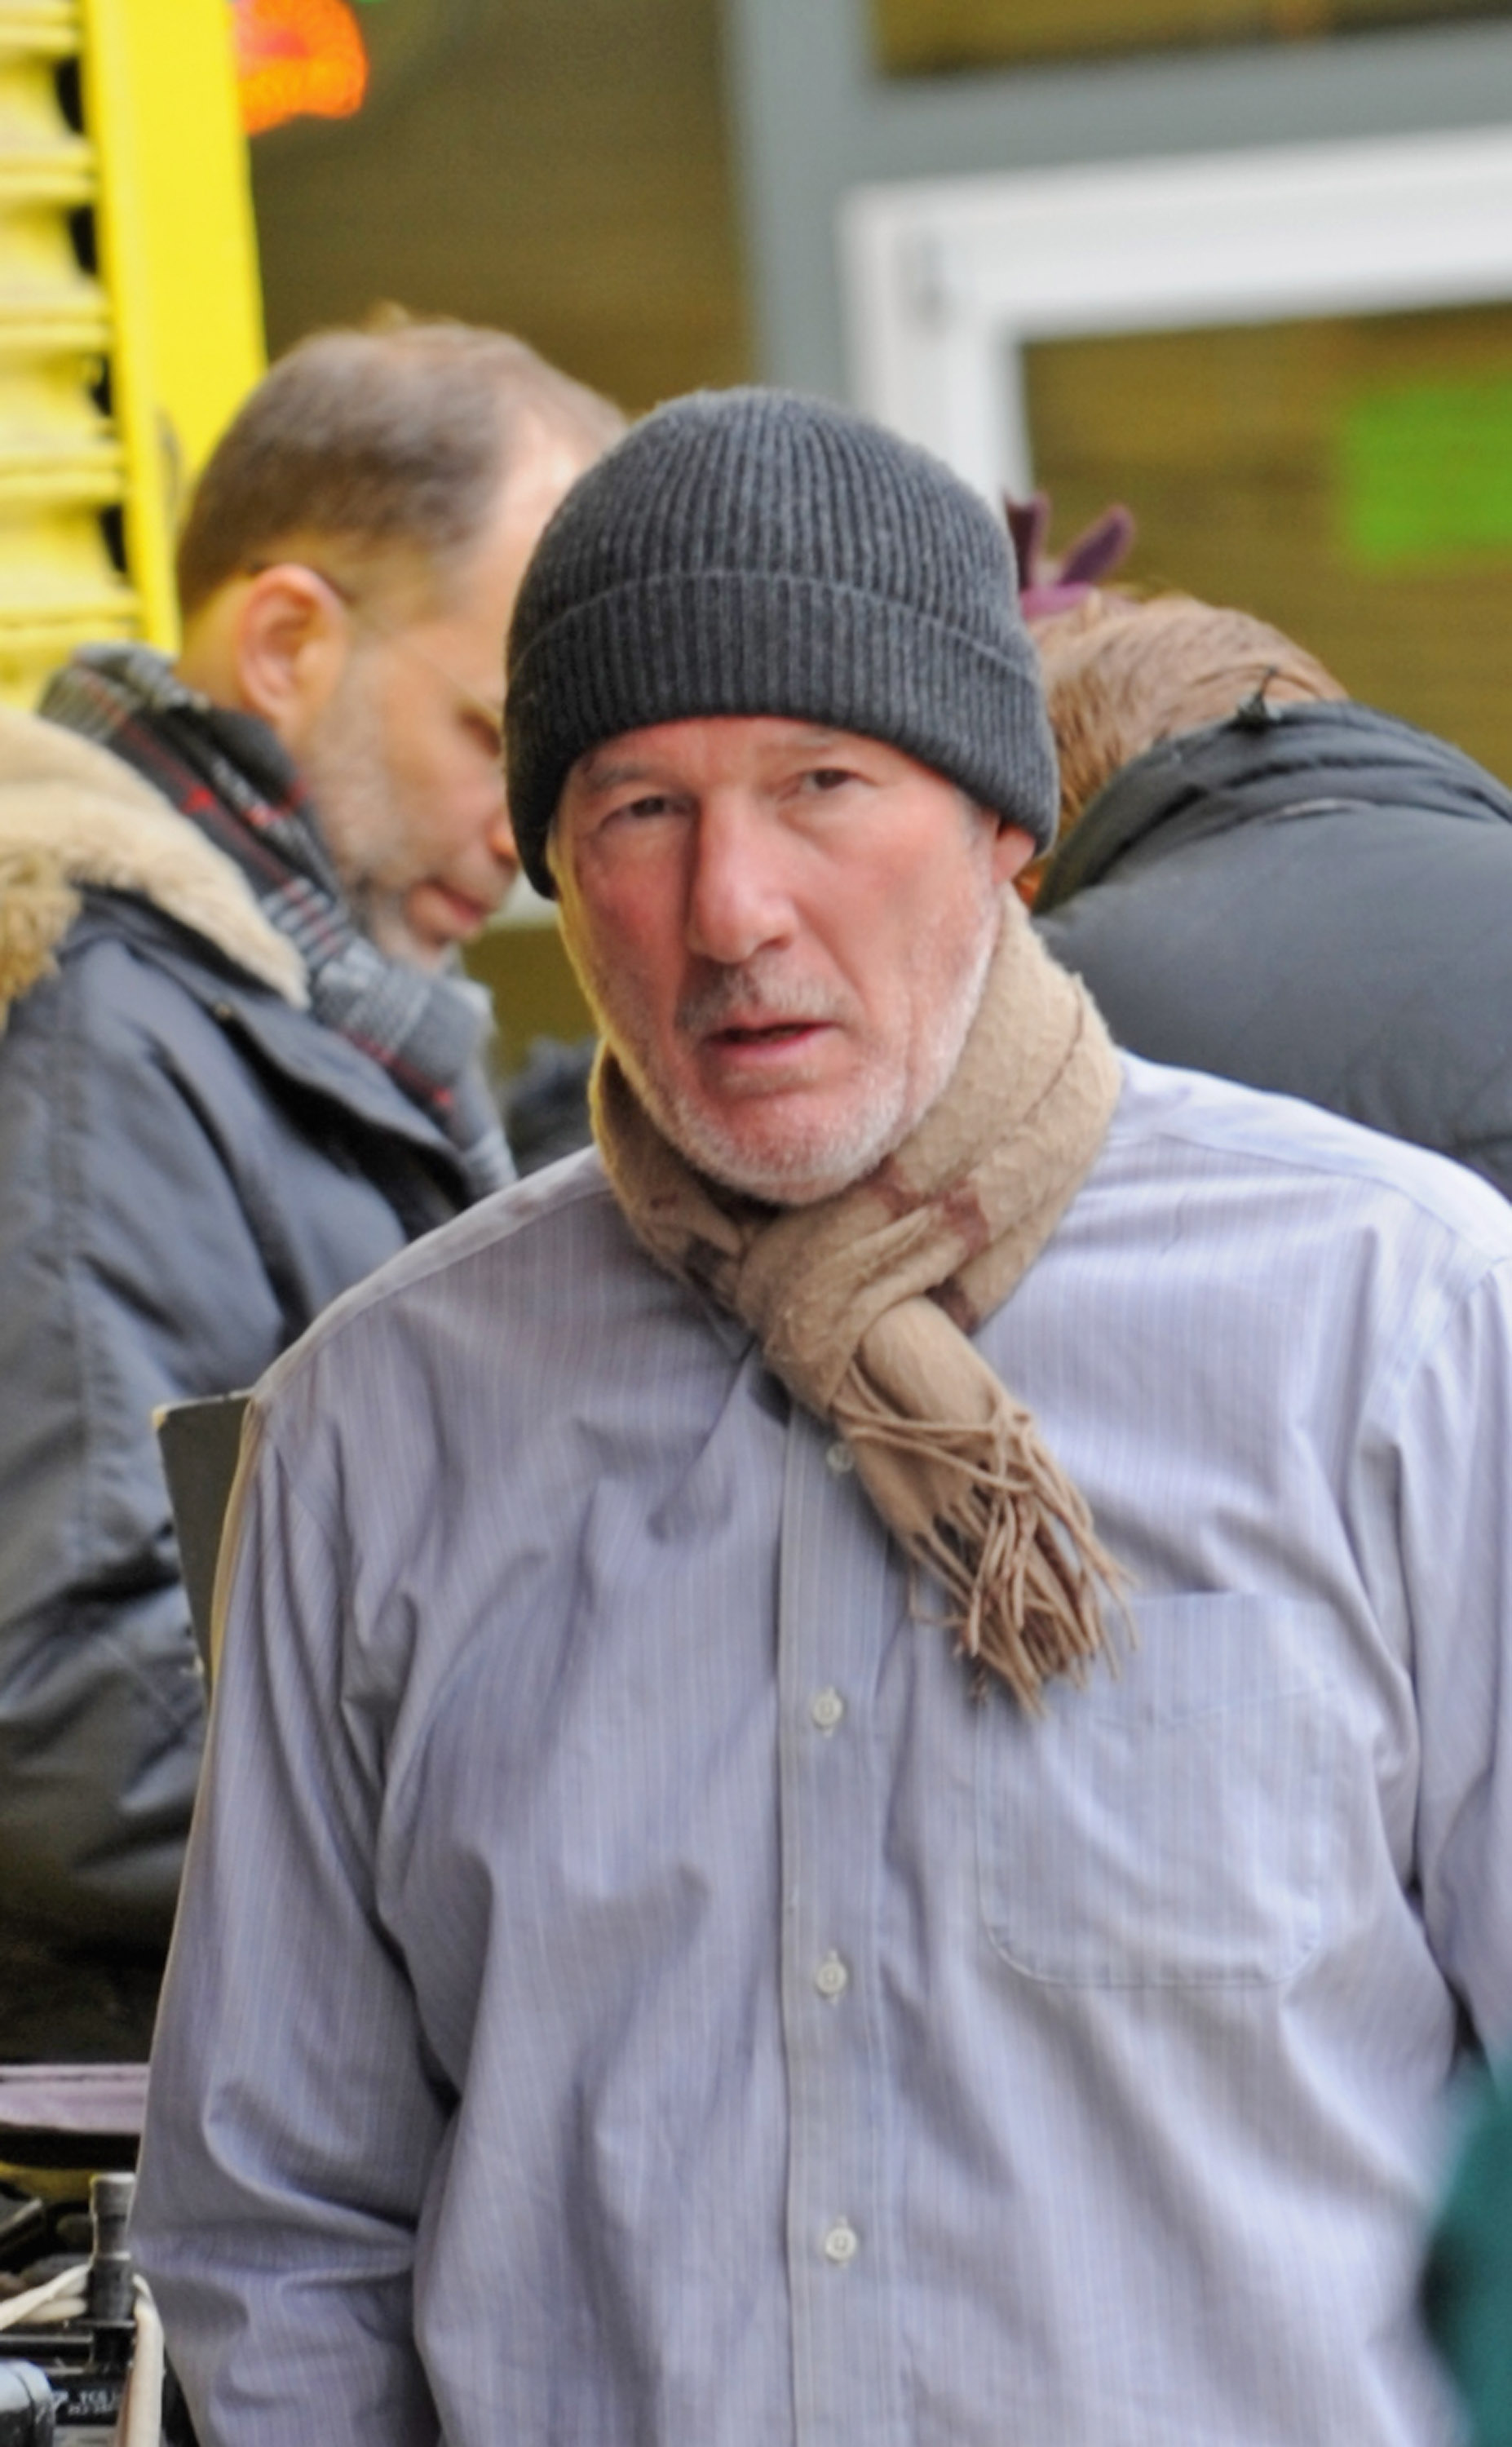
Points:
(177, 258)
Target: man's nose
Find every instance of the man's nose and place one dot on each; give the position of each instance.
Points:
(738, 902)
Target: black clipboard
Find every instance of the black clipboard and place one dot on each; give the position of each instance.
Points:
(201, 1443)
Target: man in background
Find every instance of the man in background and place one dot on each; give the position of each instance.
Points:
(238, 1069)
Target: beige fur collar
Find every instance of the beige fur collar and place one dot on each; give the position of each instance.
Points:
(73, 814)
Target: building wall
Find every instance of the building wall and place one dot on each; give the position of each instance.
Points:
(560, 167)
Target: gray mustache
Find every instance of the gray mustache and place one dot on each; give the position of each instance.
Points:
(757, 1001)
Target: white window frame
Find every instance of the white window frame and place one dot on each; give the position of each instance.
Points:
(947, 281)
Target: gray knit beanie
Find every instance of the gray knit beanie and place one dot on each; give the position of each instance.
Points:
(752, 552)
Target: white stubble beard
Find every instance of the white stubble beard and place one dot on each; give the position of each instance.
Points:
(363, 829)
(883, 1111)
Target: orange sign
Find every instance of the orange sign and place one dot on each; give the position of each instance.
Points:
(298, 58)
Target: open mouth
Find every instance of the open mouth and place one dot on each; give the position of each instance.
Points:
(776, 1032)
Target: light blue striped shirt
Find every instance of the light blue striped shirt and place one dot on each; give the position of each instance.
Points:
(627, 1994)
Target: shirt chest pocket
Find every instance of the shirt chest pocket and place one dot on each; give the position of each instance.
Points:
(1168, 1829)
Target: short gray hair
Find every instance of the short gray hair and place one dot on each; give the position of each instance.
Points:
(392, 440)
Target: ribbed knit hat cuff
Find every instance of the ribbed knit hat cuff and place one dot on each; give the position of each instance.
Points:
(686, 644)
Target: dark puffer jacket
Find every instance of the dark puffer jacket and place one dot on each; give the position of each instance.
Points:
(1320, 904)
(191, 1167)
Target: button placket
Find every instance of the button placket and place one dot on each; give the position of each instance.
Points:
(834, 1586)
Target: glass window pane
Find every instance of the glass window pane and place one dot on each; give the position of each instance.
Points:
(1350, 481)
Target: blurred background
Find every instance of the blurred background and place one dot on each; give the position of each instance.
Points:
(851, 195)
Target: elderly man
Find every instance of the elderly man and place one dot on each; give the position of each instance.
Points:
(860, 1782)
(237, 1074)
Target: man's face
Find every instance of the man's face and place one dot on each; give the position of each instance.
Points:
(403, 758)
(784, 932)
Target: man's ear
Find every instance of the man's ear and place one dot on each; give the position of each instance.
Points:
(291, 640)
(1012, 849)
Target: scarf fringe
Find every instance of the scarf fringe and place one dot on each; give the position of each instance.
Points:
(1012, 1546)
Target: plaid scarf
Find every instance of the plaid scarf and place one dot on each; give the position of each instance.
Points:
(230, 777)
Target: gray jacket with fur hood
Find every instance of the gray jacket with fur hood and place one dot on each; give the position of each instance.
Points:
(191, 1167)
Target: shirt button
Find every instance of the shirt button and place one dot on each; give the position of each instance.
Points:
(827, 1708)
(842, 2243)
(840, 1458)
(832, 1978)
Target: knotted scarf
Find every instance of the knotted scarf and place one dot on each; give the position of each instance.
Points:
(228, 774)
(864, 1302)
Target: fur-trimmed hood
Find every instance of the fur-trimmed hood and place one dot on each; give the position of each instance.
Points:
(72, 814)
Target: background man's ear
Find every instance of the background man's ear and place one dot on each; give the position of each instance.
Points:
(292, 639)
(1012, 849)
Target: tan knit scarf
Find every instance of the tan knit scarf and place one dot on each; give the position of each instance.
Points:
(862, 1304)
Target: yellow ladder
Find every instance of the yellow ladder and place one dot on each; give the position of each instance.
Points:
(129, 311)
